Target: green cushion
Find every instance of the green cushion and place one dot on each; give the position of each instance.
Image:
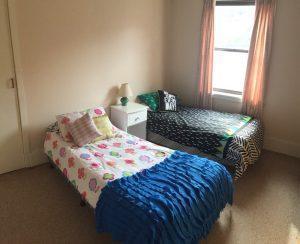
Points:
(150, 99)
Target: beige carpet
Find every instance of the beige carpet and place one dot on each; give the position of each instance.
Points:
(37, 206)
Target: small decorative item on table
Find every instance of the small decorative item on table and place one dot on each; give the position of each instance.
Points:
(125, 92)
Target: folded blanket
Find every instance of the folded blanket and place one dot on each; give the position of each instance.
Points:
(175, 201)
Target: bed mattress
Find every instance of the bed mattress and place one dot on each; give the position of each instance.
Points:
(128, 181)
(91, 167)
(233, 137)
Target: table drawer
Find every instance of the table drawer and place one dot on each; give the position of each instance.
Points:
(138, 117)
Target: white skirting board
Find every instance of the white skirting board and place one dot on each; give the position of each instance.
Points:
(282, 146)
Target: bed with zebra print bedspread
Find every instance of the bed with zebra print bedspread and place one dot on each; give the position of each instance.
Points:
(235, 138)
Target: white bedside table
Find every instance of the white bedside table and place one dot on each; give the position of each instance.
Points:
(131, 118)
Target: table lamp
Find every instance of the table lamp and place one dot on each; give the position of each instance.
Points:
(125, 92)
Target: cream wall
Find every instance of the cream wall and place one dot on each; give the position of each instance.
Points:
(72, 54)
(183, 49)
(282, 107)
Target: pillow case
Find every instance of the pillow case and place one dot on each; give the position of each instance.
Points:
(150, 99)
(64, 119)
(104, 126)
(83, 130)
(167, 101)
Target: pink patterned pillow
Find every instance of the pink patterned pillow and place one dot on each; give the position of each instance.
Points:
(83, 130)
(65, 119)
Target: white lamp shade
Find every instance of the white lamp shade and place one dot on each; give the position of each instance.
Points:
(125, 90)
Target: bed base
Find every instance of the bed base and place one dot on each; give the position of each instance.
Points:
(165, 142)
(82, 202)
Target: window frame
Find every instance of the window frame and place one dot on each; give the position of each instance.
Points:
(232, 3)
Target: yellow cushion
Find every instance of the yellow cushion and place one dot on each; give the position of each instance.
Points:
(104, 126)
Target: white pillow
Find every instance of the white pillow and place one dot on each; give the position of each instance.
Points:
(65, 119)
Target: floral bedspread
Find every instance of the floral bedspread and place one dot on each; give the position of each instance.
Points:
(91, 167)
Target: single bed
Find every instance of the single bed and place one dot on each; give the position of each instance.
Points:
(90, 167)
(125, 178)
(230, 138)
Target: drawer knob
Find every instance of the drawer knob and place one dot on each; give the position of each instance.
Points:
(137, 118)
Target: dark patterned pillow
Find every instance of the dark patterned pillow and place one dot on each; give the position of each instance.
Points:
(150, 99)
(167, 101)
(53, 128)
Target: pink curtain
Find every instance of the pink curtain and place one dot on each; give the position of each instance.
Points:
(259, 58)
(206, 55)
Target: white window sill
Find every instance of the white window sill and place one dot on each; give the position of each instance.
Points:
(227, 96)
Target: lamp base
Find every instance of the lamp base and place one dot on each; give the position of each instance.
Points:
(124, 101)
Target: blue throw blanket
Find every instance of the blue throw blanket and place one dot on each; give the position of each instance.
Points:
(175, 201)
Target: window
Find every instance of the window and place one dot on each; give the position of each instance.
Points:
(233, 28)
